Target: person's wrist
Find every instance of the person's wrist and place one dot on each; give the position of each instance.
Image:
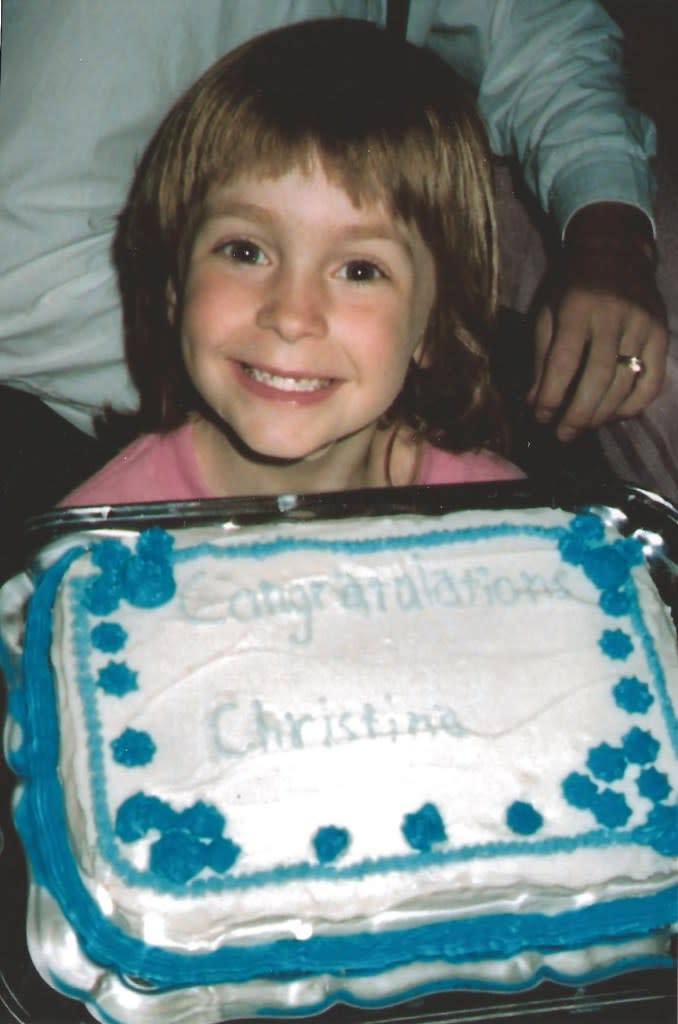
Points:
(611, 231)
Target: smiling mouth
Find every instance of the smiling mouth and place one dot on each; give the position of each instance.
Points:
(284, 383)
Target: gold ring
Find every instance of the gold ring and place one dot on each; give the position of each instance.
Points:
(633, 363)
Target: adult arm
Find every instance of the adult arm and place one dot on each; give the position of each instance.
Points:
(603, 303)
(551, 89)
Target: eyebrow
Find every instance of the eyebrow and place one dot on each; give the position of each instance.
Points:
(234, 208)
(224, 207)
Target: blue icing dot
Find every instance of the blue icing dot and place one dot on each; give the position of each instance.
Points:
(606, 568)
(633, 696)
(117, 679)
(640, 746)
(580, 791)
(611, 809)
(221, 854)
(653, 784)
(133, 748)
(108, 637)
(202, 820)
(330, 842)
(522, 818)
(615, 602)
(606, 762)
(139, 813)
(100, 596)
(616, 644)
(177, 857)
(660, 830)
(424, 827)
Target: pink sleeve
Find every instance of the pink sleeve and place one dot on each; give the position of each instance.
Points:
(441, 467)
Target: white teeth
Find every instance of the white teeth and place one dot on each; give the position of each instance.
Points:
(286, 383)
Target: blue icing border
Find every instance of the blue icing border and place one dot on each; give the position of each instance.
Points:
(53, 865)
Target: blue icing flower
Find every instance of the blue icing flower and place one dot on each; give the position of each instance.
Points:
(108, 637)
(580, 791)
(606, 762)
(424, 827)
(523, 818)
(140, 813)
(148, 583)
(177, 856)
(653, 784)
(606, 568)
(631, 695)
(616, 644)
(589, 527)
(101, 596)
(330, 842)
(611, 809)
(631, 549)
(155, 543)
(640, 746)
(615, 602)
(202, 820)
(133, 748)
(117, 679)
(221, 854)
(660, 830)
(145, 578)
(572, 550)
(110, 556)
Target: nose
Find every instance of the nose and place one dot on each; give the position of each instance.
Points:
(295, 306)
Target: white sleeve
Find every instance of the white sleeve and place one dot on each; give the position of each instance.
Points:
(551, 90)
(84, 84)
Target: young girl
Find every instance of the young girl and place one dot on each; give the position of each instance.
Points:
(307, 262)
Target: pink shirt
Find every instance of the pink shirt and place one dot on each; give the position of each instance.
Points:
(163, 467)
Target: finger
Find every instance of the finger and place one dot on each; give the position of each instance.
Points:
(627, 393)
(646, 386)
(560, 343)
(631, 329)
(543, 332)
(597, 374)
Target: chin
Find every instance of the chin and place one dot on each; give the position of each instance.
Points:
(275, 455)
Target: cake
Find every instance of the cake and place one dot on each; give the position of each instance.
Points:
(268, 768)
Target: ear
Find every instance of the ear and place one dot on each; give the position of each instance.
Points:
(420, 356)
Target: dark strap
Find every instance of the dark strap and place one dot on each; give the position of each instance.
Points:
(397, 13)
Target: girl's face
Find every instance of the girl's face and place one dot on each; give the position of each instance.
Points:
(300, 315)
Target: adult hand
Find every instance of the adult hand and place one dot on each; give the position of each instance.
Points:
(602, 303)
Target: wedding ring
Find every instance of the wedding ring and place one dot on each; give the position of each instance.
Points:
(633, 363)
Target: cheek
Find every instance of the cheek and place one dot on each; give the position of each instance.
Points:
(209, 313)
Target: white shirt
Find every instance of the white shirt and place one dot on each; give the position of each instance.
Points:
(84, 83)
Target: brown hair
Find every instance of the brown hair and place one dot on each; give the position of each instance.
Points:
(389, 121)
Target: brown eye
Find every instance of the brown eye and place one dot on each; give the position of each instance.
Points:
(241, 250)
(361, 271)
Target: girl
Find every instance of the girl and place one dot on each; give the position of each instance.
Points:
(307, 261)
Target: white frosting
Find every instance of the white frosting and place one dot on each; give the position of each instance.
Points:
(307, 689)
